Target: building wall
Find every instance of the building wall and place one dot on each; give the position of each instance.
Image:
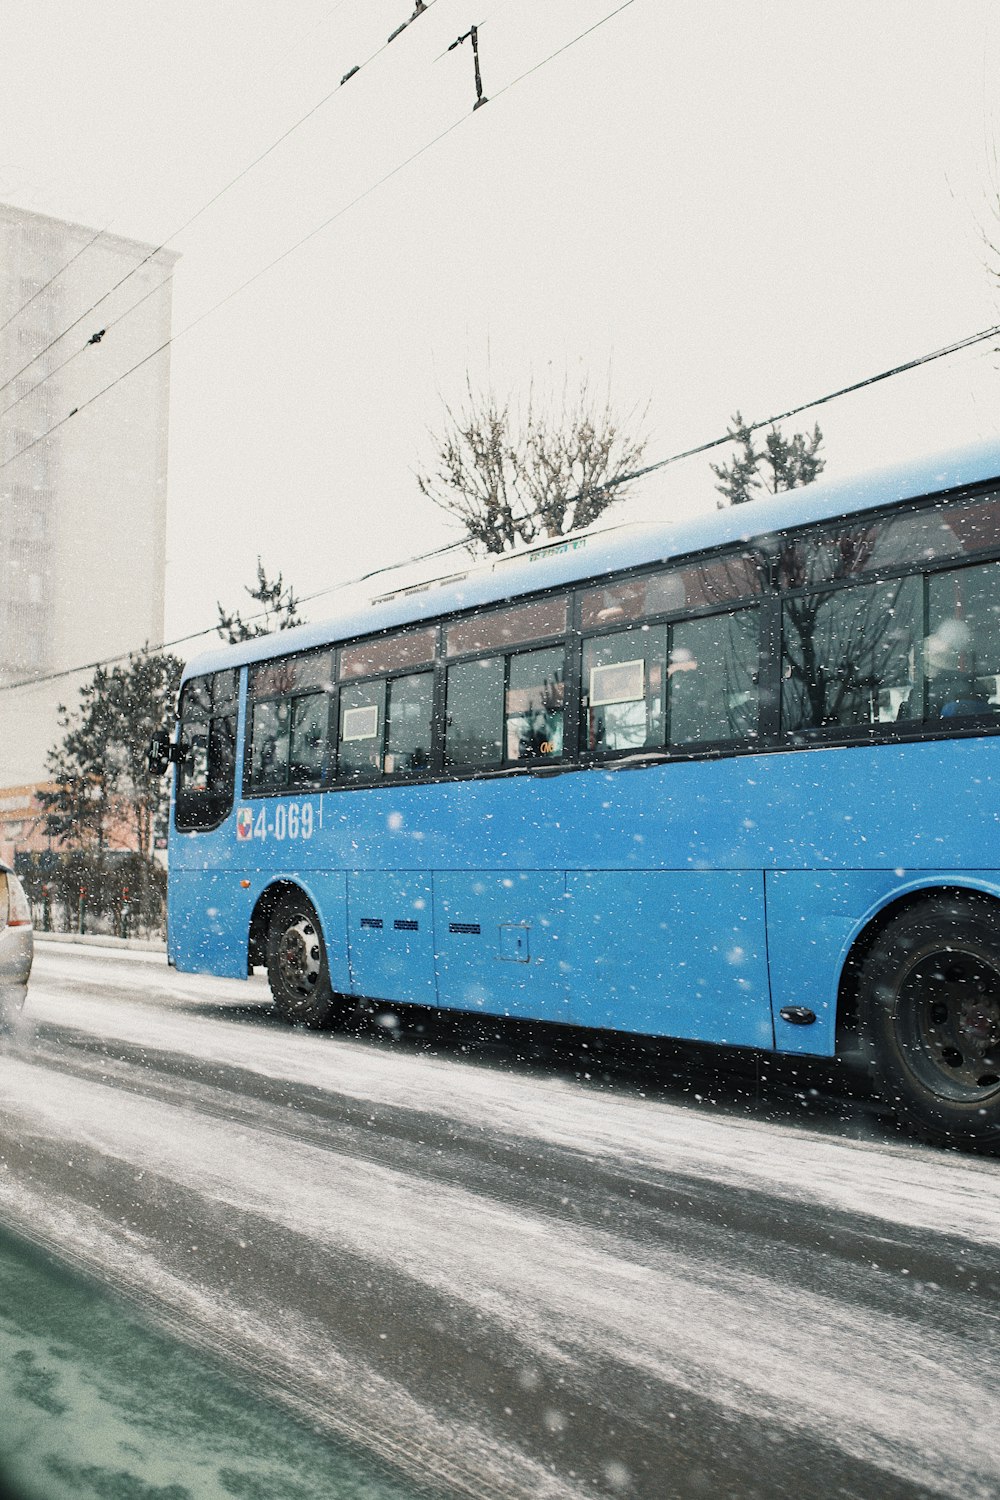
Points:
(83, 534)
(22, 822)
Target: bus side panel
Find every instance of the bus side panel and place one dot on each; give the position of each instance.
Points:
(813, 917)
(390, 924)
(208, 918)
(500, 941)
(671, 953)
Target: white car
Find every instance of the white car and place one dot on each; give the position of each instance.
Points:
(16, 939)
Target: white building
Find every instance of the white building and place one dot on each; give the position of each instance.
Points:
(82, 511)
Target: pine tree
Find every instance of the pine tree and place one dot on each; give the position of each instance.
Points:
(279, 610)
(104, 794)
(782, 464)
(105, 809)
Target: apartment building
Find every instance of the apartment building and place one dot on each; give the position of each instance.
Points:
(84, 402)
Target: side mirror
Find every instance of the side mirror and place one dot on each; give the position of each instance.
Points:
(162, 752)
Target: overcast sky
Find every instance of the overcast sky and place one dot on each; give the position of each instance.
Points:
(716, 206)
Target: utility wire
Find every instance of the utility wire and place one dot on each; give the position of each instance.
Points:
(319, 228)
(95, 338)
(194, 635)
(560, 50)
(967, 342)
(422, 7)
(235, 292)
(92, 308)
(98, 234)
(794, 411)
(662, 463)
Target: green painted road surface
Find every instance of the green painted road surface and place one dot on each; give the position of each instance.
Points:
(96, 1406)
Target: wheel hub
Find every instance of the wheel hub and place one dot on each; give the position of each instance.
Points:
(950, 1013)
(299, 957)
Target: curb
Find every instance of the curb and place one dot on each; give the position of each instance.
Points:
(98, 940)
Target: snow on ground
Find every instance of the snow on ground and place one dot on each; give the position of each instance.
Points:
(902, 1183)
(748, 1338)
(566, 1292)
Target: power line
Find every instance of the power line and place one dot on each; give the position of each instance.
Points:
(564, 48)
(662, 463)
(639, 473)
(422, 6)
(242, 287)
(53, 278)
(92, 308)
(100, 233)
(291, 249)
(95, 338)
(194, 635)
(794, 411)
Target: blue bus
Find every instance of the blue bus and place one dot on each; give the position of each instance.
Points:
(735, 780)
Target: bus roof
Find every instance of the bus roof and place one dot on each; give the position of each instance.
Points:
(582, 555)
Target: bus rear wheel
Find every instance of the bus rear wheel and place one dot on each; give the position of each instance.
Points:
(297, 969)
(930, 1007)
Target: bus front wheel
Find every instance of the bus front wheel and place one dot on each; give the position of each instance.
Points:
(930, 997)
(297, 969)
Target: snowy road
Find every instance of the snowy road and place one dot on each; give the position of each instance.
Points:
(508, 1282)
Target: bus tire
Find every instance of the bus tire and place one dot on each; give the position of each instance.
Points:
(297, 970)
(930, 1009)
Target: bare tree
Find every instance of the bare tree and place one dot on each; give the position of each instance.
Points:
(510, 479)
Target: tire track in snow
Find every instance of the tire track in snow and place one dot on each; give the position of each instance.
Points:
(669, 1331)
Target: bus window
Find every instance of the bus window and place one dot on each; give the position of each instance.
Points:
(288, 707)
(409, 717)
(288, 743)
(359, 745)
(533, 721)
(207, 773)
(961, 653)
(474, 735)
(307, 748)
(269, 746)
(973, 526)
(849, 655)
(670, 590)
(912, 539)
(507, 627)
(292, 674)
(623, 678)
(391, 653)
(712, 675)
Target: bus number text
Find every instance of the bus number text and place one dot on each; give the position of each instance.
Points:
(280, 821)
